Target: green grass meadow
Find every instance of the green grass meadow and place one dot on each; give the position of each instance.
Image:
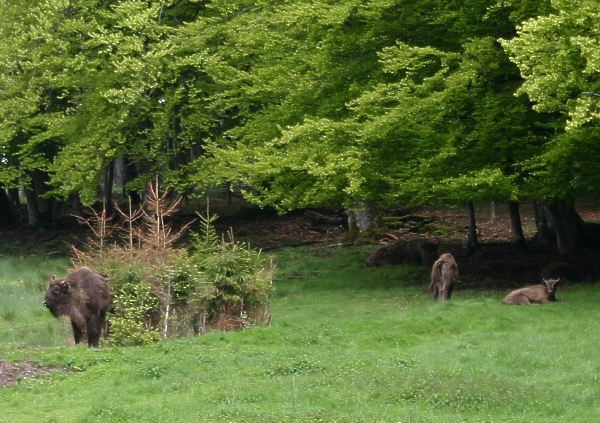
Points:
(346, 344)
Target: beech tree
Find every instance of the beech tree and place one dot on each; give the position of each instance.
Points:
(558, 59)
(87, 83)
(383, 110)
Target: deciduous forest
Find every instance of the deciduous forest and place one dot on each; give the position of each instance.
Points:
(299, 104)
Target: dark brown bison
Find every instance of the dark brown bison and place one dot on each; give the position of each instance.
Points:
(84, 297)
(536, 294)
(444, 275)
(416, 252)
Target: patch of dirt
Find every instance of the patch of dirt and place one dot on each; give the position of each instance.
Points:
(12, 373)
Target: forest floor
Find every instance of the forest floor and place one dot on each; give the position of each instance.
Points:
(496, 267)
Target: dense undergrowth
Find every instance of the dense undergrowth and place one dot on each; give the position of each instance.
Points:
(163, 288)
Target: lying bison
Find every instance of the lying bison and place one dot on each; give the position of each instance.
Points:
(444, 275)
(415, 252)
(536, 294)
(84, 297)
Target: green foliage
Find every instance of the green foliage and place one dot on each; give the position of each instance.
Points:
(306, 103)
(238, 279)
(559, 60)
(160, 290)
(134, 304)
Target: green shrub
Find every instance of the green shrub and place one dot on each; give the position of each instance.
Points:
(240, 280)
(159, 290)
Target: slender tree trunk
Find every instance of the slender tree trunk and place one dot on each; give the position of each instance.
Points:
(129, 174)
(109, 176)
(544, 234)
(472, 239)
(516, 227)
(39, 180)
(228, 188)
(493, 212)
(75, 206)
(33, 213)
(15, 201)
(6, 213)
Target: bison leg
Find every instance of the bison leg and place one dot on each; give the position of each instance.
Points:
(77, 332)
(78, 324)
(93, 331)
(436, 292)
(447, 292)
(520, 299)
(445, 296)
(517, 298)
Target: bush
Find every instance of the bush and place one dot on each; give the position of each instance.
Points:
(159, 290)
(240, 279)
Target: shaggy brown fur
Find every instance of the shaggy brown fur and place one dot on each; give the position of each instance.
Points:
(84, 297)
(536, 294)
(416, 252)
(444, 275)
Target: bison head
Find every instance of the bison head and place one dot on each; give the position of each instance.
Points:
(551, 284)
(57, 297)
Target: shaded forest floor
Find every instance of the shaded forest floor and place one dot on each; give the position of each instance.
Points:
(496, 266)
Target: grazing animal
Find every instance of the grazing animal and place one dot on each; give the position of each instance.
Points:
(416, 252)
(536, 294)
(444, 275)
(85, 298)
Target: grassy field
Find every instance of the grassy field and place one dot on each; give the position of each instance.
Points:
(346, 344)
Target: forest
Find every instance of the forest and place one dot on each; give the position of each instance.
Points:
(304, 103)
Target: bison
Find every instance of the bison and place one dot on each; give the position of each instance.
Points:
(415, 252)
(536, 294)
(443, 276)
(85, 298)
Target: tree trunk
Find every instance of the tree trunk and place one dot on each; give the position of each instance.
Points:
(6, 213)
(516, 227)
(15, 201)
(566, 224)
(33, 213)
(39, 209)
(544, 234)
(129, 174)
(493, 212)
(363, 217)
(109, 176)
(75, 206)
(45, 206)
(472, 239)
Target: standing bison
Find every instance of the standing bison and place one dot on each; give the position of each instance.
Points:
(84, 297)
(443, 276)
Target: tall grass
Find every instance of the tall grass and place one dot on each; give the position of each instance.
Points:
(346, 344)
(23, 319)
